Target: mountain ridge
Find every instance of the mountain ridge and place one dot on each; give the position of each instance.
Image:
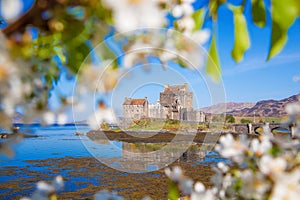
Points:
(267, 108)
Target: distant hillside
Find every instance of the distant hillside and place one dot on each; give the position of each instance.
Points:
(268, 108)
(230, 106)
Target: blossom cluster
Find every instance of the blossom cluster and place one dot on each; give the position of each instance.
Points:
(265, 167)
(46, 191)
(23, 91)
(26, 82)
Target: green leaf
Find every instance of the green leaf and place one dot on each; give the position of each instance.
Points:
(213, 65)
(259, 13)
(241, 37)
(213, 7)
(76, 56)
(198, 17)
(59, 52)
(173, 191)
(284, 14)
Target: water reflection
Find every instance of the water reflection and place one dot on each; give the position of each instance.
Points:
(57, 151)
(143, 157)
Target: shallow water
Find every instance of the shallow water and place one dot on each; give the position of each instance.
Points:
(57, 151)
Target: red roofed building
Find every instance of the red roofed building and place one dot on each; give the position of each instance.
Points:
(135, 108)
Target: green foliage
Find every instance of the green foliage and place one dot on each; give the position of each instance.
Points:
(246, 121)
(142, 123)
(202, 127)
(274, 151)
(214, 6)
(198, 17)
(218, 118)
(173, 191)
(213, 64)
(241, 37)
(172, 121)
(284, 14)
(259, 13)
(104, 126)
(230, 119)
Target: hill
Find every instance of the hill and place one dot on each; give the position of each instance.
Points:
(267, 108)
(226, 107)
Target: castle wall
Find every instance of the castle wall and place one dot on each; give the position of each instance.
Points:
(192, 115)
(135, 111)
(157, 111)
(176, 102)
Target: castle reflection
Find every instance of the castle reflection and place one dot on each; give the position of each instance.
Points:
(143, 157)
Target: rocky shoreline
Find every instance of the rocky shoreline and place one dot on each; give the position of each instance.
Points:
(155, 137)
(85, 176)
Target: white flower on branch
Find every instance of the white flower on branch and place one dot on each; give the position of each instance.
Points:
(132, 14)
(175, 174)
(48, 117)
(200, 192)
(106, 115)
(287, 186)
(98, 78)
(260, 147)
(272, 166)
(254, 186)
(231, 148)
(106, 195)
(293, 108)
(47, 191)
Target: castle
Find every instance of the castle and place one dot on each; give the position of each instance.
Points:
(176, 102)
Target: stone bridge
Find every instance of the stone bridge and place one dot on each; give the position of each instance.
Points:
(253, 128)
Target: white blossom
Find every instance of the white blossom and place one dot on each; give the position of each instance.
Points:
(186, 186)
(11, 9)
(272, 166)
(100, 78)
(48, 117)
(45, 190)
(199, 187)
(231, 148)
(200, 37)
(254, 186)
(62, 118)
(132, 14)
(224, 168)
(260, 147)
(287, 186)
(293, 108)
(175, 174)
(185, 8)
(106, 195)
(106, 115)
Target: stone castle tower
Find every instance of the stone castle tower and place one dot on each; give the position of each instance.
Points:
(176, 102)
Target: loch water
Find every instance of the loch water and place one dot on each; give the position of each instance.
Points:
(60, 143)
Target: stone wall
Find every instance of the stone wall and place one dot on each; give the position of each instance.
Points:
(180, 93)
(157, 111)
(176, 102)
(135, 111)
(192, 115)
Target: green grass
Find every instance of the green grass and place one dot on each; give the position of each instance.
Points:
(170, 125)
(260, 119)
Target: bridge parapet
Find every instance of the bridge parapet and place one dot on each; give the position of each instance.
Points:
(251, 128)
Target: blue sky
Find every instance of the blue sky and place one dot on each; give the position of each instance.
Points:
(255, 79)
(251, 80)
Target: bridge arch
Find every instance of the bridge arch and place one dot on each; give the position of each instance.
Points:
(258, 130)
(280, 130)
